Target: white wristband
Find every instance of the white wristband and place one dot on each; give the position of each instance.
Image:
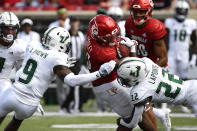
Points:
(133, 49)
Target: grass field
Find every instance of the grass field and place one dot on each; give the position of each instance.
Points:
(101, 123)
(38, 123)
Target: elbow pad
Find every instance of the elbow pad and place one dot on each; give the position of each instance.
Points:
(133, 49)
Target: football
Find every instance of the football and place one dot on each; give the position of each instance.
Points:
(124, 50)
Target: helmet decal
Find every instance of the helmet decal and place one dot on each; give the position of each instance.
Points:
(57, 38)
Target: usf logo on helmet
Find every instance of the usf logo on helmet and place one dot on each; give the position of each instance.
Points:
(131, 71)
(57, 38)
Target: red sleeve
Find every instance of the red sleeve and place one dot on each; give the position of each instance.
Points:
(158, 31)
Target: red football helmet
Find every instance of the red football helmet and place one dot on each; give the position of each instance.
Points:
(141, 10)
(104, 30)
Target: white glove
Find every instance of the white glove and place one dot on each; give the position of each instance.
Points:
(192, 62)
(71, 61)
(129, 43)
(40, 109)
(107, 68)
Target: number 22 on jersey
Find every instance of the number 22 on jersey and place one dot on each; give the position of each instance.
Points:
(168, 87)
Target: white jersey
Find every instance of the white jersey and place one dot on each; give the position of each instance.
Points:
(161, 86)
(36, 73)
(179, 34)
(10, 56)
(32, 36)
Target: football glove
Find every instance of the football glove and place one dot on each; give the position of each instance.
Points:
(107, 68)
(71, 61)
(129, 43)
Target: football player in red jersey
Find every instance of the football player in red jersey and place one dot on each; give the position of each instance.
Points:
(150, 33)
(102, 42)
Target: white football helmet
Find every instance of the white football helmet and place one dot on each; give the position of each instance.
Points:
(181, 10)
(131, 71)
(9, 27)
(57, 38)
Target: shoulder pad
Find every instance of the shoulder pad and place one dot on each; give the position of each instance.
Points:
(157, 29)
(168, 22)
(58, 58)
(19, 47)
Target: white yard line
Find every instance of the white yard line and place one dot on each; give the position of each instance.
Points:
(104, 114)
(113, 126)
(89, 125)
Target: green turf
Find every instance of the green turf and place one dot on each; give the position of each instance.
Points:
(44, 123)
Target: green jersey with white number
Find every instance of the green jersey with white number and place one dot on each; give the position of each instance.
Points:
(10, 56)
(161, 86)
(36, 73)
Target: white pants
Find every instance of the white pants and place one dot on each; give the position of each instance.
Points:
(190, 98)
(117, 96)
(178, 63)
(4, 84)
(9, 103)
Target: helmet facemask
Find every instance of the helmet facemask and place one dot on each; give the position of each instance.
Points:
(110, 40)
(8, 33)
(9, 27)
(181, 13)
(105, 31)
(131, 71)
(140, 11)
(181, 10)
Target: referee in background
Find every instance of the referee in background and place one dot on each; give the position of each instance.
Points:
(78, 43)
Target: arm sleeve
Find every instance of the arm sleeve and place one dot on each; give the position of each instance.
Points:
(74, 80)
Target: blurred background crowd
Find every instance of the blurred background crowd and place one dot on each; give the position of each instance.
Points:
(81, 4)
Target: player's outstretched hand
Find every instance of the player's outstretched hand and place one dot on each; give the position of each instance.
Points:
(71, 61)
(128, 42)
(107, 68)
